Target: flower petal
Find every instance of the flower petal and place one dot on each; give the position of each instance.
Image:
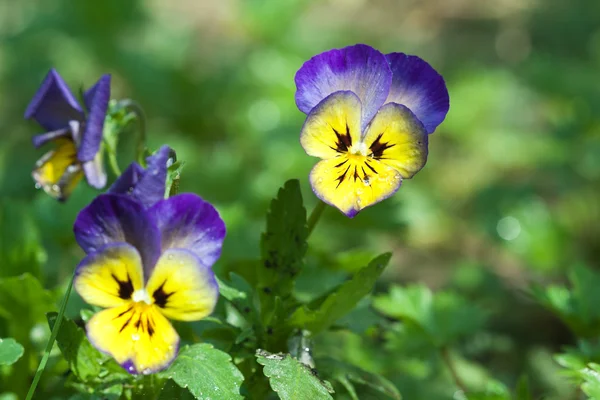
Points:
(352, 183)
(58, 172)
(151, 187)
(112, 218)
(54, 105)
(182, 287)
(333, 126)
(418, 86)
(188, 222)
(96, 100)
(127, 180)
(136, 335)
(359, 68)
(94, 171)
(109, 277)
(398, 139)
(40, 140)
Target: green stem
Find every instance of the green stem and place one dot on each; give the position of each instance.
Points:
(315, 215)
(51, 340)
(450, 365)
(136, 109)
(114, 165)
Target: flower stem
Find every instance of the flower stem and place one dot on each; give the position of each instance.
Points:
(450, 365)
(51, 340)
(315, 215)
(114, 165)
(137, 110)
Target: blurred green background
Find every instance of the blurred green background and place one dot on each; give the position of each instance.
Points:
(510, 194)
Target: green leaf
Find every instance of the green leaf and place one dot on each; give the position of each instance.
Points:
(24, 303)
(10, 351)
(173, 391)
(86, 363)
(341, 300)
(348, 374)
(283, 245)
(591, 386)
(173, 176)
(20, 247)
(577, 305)
(206, 372)
(523, 392)
(291, 379)
(444, 317)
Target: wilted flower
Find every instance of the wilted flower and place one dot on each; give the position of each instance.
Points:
(77, 136)
(147, 260)
(369, 116)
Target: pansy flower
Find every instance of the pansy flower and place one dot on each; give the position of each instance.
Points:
(368, 118)
(147, 262)
(76, 136)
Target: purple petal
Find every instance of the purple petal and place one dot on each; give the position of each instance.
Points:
(188, 222)
(42, 139)
(112, 218)
(94, 172)
(128, 179)
(419, 87)
(359, 68)
(151, 187)
(53, 105)
(96, 99)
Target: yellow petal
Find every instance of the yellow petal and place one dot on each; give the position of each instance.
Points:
(397, 138)
(353, 182)
(136, 335)
(59, 171)
(109, 277)
(181, 287)
(333, 126)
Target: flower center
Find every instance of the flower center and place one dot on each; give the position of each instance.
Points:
(141, 296)
(359, 149)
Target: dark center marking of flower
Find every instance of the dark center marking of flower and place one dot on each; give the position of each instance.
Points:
(160, 296)
(378, 147)
(341, 178)
(356, 175)
(125, 287)
(150, 325)
(370, 167)
(344, 140)
(126, 323)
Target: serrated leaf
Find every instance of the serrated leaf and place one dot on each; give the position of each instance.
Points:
(341, 300)
(283, 245)
(206, 372)
(291, 379)
(10, 351)
(86, 363)
(348, 374)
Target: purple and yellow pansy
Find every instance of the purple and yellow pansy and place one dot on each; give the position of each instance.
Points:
(148, 260)
(368, 118)
(77, 136)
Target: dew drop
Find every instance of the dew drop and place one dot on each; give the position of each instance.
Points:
(367, 182)
(38, 186)
(130, 368)
(55, 188)
(319, 180)
(135, 337)
(147, 371)
(170, 256)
